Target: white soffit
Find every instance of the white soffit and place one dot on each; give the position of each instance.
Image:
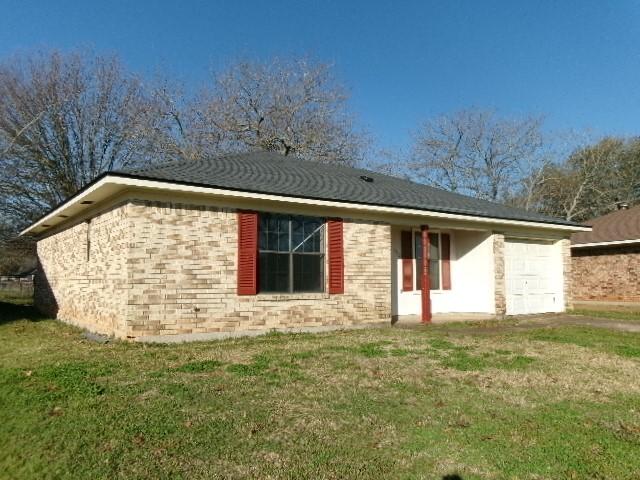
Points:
(606, 244)
(109, 185)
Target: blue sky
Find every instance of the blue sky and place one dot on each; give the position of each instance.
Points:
(576, 62)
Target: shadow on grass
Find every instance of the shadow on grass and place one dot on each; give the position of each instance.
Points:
(11, 312)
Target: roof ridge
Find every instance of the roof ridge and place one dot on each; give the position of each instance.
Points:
(296, 159)
(273, 172)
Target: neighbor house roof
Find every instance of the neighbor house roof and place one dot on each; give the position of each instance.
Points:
(274, 174)
(616, 228)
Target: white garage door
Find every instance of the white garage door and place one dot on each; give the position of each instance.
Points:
(533, 276)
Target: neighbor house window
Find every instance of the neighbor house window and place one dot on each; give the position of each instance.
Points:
(434, 260)
(291, 254)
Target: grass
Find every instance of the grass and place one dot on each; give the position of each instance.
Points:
(15, 297)
(384, 403)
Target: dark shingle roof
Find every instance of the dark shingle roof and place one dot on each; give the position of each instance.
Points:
(264, 172)
(616, 226)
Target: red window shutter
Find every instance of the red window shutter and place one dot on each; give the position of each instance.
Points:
(445, 250)
(335, 244)
(247, 253)
(407, 261)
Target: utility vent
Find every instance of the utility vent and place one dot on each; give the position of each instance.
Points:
(364, 178)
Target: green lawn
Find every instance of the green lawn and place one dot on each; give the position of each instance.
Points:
(386, 403)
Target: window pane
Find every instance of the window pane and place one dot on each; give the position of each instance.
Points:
(297, 232)
(274, 272)
(417, 248)
(434, 261)
(272, 236)
(434, 274)
(306, 234)
(283, 234)
(434, 251)
(418, 245)
(313, 234)
(274, 232)
(308, 273)
(263, 232)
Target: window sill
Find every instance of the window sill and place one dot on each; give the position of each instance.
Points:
(283, 297)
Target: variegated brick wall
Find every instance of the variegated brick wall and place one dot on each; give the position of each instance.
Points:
(609, 274)
(163, 269)
(565, 246)
(183, 277)
(82, 273)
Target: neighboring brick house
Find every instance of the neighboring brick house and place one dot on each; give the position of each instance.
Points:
(606, 260)
(261, 241)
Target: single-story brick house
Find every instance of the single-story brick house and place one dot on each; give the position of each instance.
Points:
(606, 260)
(261, 241)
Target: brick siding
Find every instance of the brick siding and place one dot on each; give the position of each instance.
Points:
(82, 273)
(606, 274)
(161, 269)
(499, 272)
(567, 279)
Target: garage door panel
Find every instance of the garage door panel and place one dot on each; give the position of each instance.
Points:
(516, 286)
(530, 270)
(517, 305)
(518, 264)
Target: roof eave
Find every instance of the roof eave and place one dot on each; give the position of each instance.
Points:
(610, 243)
(110, 183)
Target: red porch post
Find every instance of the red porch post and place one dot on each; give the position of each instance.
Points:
(424, 271)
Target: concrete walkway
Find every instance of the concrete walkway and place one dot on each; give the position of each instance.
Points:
(464, 324)
(607, 306)
(583, 320)
(515, 324)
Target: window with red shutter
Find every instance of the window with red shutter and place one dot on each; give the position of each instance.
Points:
(291, 254)
(335, 244)
(247, 253)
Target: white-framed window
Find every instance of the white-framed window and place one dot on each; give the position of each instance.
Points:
(291, 253)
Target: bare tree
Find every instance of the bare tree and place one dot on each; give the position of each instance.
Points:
(478, 153)
(592, 180)
(389, 161)
(64, 119)
(180, 128)
(287, 106)
(18, 253)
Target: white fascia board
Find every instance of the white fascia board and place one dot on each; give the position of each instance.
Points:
(606, 244)
(63, 210)
(114, 183)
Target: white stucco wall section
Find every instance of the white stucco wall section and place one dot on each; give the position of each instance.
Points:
(472, 276)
